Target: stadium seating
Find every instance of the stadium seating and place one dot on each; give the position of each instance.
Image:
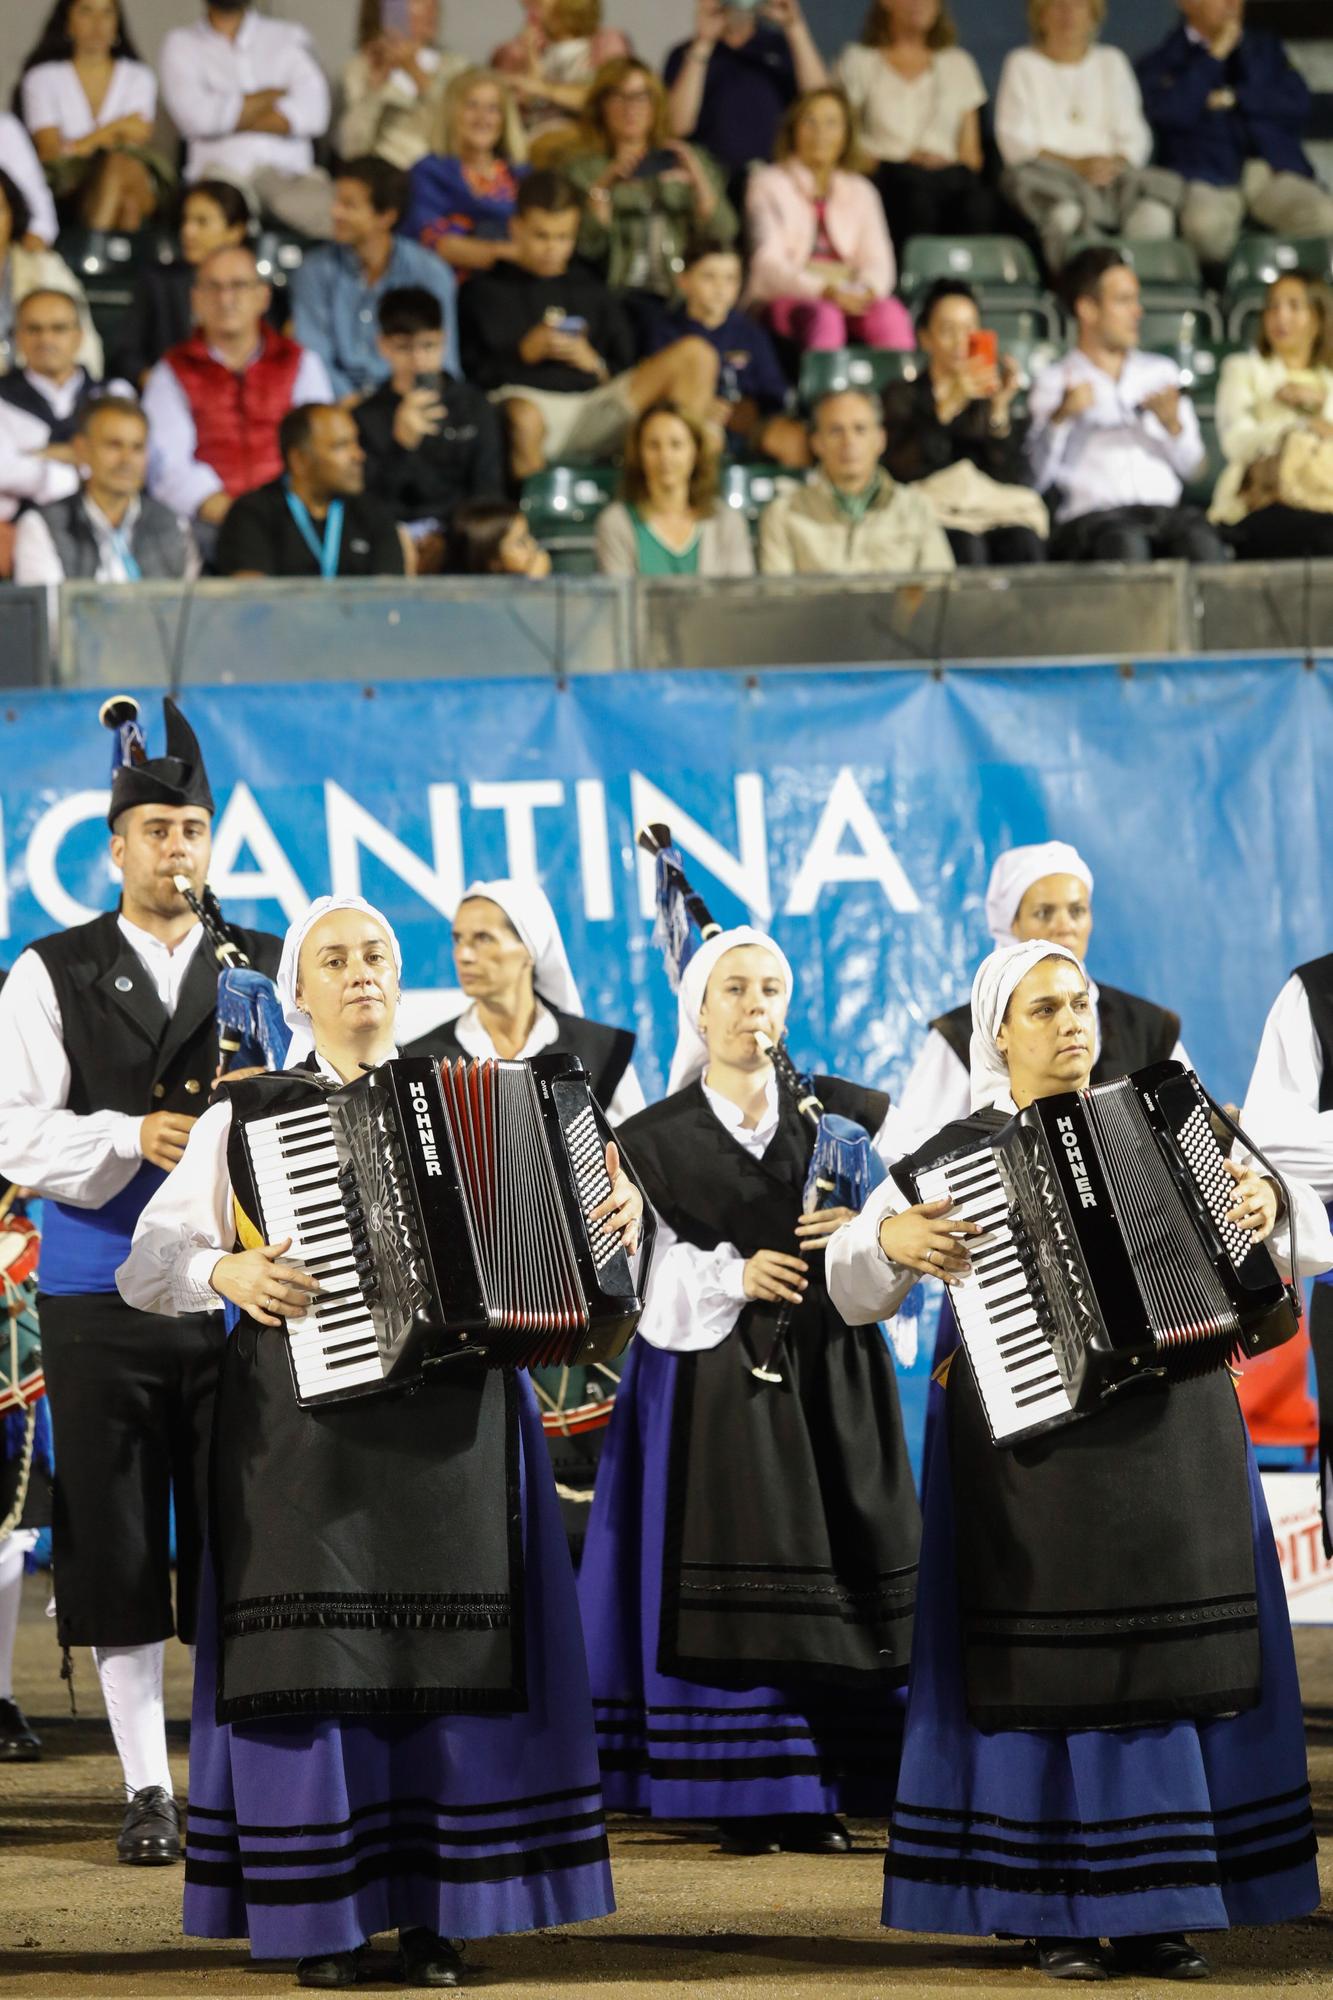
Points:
(1255, 262)
(562, 505)
(106, 262)
(828, 370)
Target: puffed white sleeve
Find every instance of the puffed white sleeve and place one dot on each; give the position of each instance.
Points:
(938, 1090)
(694, 1297)
(863, 1283)
(187, 1226)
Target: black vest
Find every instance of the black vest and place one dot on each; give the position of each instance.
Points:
(1132, 1033)
(17, 390)
(1317, 979)
(604, 1052)
(125, 1054)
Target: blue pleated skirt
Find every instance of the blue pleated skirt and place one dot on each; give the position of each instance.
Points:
(309, 1836)
(679, 1749)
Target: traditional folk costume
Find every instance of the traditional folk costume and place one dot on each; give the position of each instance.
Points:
(749, 1577)
(104, 1025)
(391, 1720)
(1104, 1733)
(25, 1457)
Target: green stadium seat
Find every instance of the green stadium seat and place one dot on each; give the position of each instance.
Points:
(1168, 266)
(106, 263)
(562, 505)
(827, 370)
(1199, 491)
(280, 253)
(987, 263)
(1022, 327)
(1200, 369)
(1255, 262)
(749, 488)
(1178, 329)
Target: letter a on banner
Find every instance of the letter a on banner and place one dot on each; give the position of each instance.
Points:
(848, 811)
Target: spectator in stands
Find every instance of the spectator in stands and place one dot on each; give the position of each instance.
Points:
(730, 87)
(461, 200)
(47, 379)
(645, 193)
(554, 346)
(917, 99)
(1114, 433)
(1228, 110)
(851, 519)
(959, 411)
(316, 519)
(24, 269)
(671, 521)
(109, 531)
(214, 215)
(249, 97)
(214, 403)
(393, 87)
(492, 538)
(34, 470)
(23, 170)
(822, 262)
(431, 441)
(752, 390)
(337, 292)
(90, 105)
(1275, 426)
(550, 65)
(1070, 128)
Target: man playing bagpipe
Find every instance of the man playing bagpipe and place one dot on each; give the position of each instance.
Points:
(112, 1045)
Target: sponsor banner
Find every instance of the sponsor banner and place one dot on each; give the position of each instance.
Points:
(1293, 1503)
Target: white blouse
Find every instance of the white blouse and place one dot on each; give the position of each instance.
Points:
(901, 115)
(1252, 423)
(54, 97)
(1076, 109)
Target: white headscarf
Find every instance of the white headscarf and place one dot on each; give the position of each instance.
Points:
(529, 911)
(1014, 874)
(303, 1038)
(992, 990)
(691, 1057)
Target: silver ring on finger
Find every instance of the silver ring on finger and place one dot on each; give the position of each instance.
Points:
(934, 1256)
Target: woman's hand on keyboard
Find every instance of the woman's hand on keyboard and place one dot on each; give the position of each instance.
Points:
(929, 1239)
(263, 1286)
(1255, 1207)
(622, 1212)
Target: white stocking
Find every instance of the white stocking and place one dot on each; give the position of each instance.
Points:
(11, 1596)
(131, 1678)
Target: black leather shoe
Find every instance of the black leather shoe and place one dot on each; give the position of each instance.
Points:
(815, 1833)
(334, 1968)
(19, 1742)
(427, 1960)
(749, 1836)
(150, 1833)
(1166, 1957)
(1072, 1958)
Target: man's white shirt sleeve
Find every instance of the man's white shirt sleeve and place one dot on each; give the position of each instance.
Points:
(85, 1160)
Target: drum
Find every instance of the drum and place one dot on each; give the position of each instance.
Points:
(21, 1378)
(576, 1406)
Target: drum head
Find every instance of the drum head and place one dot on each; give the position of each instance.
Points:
(574, 1401)
(20, 1247)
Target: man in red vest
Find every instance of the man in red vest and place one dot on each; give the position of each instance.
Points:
(214, 403)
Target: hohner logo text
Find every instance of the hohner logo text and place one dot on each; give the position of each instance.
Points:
(1074, 1154)
(425, 1130)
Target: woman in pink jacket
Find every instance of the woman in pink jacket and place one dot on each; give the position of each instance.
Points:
(822, 263)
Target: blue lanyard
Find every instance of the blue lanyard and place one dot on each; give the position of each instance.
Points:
(327, 551)
(120, 542)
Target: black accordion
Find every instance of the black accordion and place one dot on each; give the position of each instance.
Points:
(1107, 1257)
(447, 1212)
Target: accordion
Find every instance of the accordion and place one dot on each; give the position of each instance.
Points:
(447, 1213)
(1107, 1257)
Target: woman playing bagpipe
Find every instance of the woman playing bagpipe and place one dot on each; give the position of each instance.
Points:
(748, 1579)
(1104, 1735)
(391, 1719)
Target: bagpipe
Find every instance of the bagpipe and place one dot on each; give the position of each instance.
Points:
(844, 1167)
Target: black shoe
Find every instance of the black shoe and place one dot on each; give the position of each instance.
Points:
(1071, 1958)
(19, 1742)
(333, 1968)
(150, 1833)
(815, 1833)
(427, 1960)
(1167, 1957)
(749, 1836)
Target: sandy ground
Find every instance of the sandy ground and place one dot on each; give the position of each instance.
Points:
(690, 1921)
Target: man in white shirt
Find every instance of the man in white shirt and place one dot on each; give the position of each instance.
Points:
(249, 98)
(1114, 434)
(48, 381)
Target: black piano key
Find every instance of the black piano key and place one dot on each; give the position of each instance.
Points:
(1021, 1304)
(1038, 1392)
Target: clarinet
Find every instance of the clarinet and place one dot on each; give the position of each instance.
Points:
(803, 1097)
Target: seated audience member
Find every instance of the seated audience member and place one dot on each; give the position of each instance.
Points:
(460, 201)
(24, 269)
(90, 105)
(20, 164)
(851, 519)
(730, 87)
(821, 260)
(316, 519)
(645, 194)
(492, 538)
(551, 62)
(1227, 108)
(393, 87)
(671, 521)
(1070, 128)
(214, 403)
(554, 348)
(1114, 433)
(1275, 427)
(214, 215)
(751, 387)
(917, 99)
(109, 531)
(249, 97)
(431, 442)
(47, 379)
(34, 469)
(337, 293)
(960, 412)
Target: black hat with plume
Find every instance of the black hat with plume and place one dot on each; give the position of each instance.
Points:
(178, 779)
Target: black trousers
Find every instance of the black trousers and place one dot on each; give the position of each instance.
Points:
(1279, 534)
(1000, 548)
(1139, 535)
(132, 1412)
(935, 201)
